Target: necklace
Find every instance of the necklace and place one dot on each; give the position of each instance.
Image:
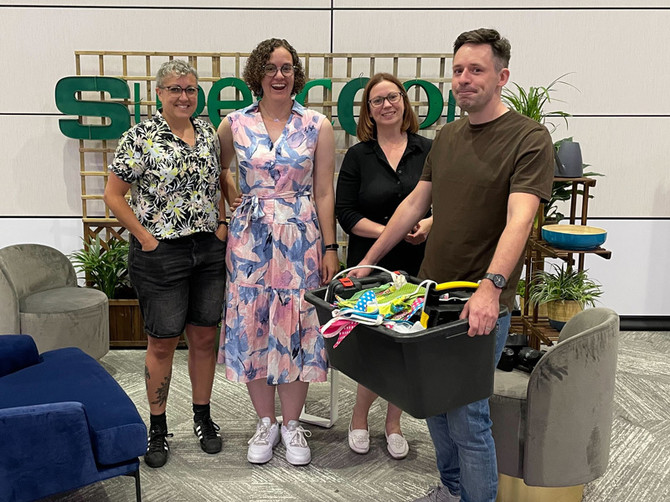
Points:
(267, 116)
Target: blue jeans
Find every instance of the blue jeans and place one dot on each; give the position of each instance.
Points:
(466, 456)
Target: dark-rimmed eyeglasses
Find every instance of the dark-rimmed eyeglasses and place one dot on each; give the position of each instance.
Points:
(286, 70)
(391, 97)
(176, 90)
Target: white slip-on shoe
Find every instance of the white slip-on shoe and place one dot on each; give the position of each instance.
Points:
(359, 440)
(261, 443)
(397, 445)
(297, 449)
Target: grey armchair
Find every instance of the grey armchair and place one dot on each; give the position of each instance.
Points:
(39, 296)
(552, 427)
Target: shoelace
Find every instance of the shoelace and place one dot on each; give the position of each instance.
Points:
(261, 436)
(208, 429)
(298, 438)
(157, 440)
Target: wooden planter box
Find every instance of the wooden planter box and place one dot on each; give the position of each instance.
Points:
(126, 325)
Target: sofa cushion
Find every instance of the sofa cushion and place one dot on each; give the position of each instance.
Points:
(117, 431)
(18, 351)
(57, 300)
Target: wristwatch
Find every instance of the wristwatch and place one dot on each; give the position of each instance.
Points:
(498, 280)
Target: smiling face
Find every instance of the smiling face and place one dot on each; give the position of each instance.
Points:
(475, 81)
(278, 86)
(178, 108)
(388, 114)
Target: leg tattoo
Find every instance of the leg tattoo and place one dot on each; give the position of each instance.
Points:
(162, 392)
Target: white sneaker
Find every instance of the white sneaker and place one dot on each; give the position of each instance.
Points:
(297, 449)
(261, 444)
(397, 445)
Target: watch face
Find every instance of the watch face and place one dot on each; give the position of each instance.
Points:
(498, 280)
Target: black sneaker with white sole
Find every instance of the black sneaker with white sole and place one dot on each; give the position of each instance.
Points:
(208, 434)
(157, 447)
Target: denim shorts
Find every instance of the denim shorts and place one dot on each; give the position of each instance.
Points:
(180, 282)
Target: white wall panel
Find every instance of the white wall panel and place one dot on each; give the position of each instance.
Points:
(496, 4)
(220, 4)
(42, 42)
(64, 234)
(635, 278)
(634, 155)
(606, 67)
(40, 171)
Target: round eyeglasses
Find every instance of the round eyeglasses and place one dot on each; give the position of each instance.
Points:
(391, 97)
(271, 70)
(176, 90)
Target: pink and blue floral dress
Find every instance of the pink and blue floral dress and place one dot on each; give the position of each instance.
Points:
(274, 254)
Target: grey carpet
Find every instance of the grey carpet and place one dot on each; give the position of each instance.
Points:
(639, 459)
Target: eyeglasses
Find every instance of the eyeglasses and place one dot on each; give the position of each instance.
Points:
(391, 97)
(271, 70)
(176, 90)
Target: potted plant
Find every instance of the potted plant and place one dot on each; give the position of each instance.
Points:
(106, 268)
(565, 291)
(533, 103)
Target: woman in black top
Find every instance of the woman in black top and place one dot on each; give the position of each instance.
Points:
(376, 175)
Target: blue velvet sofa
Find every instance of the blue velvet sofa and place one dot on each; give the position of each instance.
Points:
(64, 422)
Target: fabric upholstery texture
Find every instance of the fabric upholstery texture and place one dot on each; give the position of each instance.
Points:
(89, 429)
(39, 296)
(557, 432)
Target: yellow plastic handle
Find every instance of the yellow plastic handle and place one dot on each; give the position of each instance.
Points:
(456, 285)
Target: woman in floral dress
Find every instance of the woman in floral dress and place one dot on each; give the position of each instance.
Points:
(281, 242)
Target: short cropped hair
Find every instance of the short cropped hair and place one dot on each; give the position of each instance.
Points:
(502, 49)
(174, 68)
(254, 69)
(367, 129)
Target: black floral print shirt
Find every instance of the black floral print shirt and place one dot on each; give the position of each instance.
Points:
(175, 187)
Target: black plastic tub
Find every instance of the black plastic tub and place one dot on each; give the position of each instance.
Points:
(424, 373)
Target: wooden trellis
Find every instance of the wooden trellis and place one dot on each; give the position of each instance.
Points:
(138, 68)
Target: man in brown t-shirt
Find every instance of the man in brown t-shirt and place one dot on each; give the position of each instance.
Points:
(484, 176)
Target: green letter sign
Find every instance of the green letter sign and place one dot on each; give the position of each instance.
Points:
(345, 103)
(67, 87)
(214, 103)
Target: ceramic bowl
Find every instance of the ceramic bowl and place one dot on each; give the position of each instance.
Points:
(577, 237)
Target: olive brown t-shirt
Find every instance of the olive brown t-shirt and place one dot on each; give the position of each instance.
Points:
(473, 170)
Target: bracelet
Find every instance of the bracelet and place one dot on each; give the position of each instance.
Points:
(333, 247)
(222, 222)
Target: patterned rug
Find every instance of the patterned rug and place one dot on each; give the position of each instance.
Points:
(639, 467)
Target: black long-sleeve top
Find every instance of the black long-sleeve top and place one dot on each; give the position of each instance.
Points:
(368, 187)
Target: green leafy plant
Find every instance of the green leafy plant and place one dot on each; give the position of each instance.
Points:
(563, 283)
(531, 102)
(521, 287)
(106, 268)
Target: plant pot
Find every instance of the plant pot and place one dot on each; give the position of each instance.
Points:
(541, 309)
(126, 325)
(569, 160)
(561, 311)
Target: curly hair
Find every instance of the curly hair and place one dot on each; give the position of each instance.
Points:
(174, 68)
(502, 49)
(367, 129)
(254, 69)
